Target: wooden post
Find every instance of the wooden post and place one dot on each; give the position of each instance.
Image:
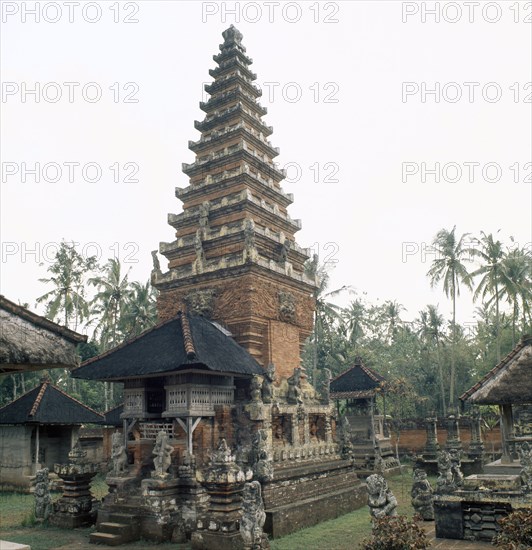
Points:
(506, 432)
(37, 449)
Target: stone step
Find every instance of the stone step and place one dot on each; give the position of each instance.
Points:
(115, 528)
(109, 539)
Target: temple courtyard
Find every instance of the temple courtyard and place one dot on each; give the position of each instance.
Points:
(342, 533)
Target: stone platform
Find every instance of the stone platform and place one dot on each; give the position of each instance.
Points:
(303, 495)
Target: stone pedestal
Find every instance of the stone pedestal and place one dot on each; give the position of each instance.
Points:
(219, 526)
(453, 442)
(432, 447)
(75, 508)
(162, 512)
(476, 447)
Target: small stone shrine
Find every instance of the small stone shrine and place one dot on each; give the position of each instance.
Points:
(371, 446)
(76, 507)
(472, 508)
(215, 392)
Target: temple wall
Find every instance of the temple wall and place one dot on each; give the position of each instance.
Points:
(15, 455)
(414, 439)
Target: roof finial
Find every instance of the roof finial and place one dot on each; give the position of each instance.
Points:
(232, 36)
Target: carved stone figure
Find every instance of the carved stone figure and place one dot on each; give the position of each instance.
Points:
(422, 495)
(325, 385)
(204, 217)
(287, 307)
(283, 251)
(162, 451)
(450, 477)
(43, 501)
(118, 455)
(381, 500)
(255, 389)
(294, 388)
(458, 476)
(155, 259)
(253, 518)
(525, 457)
(250, 250)
(344, 432)
(267, 384)
(262, 467)
(201, 302)
(199, 264)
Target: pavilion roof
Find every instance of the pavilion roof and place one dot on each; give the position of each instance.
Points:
(31, 342)
(358, 382)
(184, 342)
(510, 381)
(47, 404)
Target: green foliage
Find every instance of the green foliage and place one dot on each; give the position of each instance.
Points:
(396, 533)
(516, 531)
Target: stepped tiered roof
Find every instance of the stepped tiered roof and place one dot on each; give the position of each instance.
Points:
(234, 209)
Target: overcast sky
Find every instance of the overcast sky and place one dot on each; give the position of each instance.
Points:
(366, 100)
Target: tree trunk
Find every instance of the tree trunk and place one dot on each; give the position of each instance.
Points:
(497, 329)
(440, 372)
(453, 350)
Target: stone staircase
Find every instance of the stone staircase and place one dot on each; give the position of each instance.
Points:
(120, 529)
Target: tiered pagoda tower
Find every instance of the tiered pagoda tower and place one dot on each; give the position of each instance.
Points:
(235, 259)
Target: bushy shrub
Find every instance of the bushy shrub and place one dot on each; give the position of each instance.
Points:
(396, 533)
(516, 531)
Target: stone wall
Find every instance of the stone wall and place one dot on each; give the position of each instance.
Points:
(413, 439)
(15, 456)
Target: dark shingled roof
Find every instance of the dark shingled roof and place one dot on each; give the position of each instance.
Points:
(112, 416)
(356, 383)
(185, 342)
(509, 382)
(47, 404)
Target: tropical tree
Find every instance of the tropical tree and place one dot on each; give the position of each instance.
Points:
(66, 303)
(140, 312)
(516, 285)
(491, 254)
(109, 304)
(392, 311)
(326, 313)
(448, 267)
(431, 332)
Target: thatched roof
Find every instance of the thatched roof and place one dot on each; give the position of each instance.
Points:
(31, 342)
(358, 382)
(509, 382)
(47, 404)
(185, 342)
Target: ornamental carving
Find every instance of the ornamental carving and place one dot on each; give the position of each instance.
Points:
(287, 307)
(201, 302)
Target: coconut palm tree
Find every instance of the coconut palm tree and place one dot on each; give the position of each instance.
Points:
(326, 313)
(516, 285)
(66, 302)
(448, 267)
(140, 311)
(113, 293)
(491, 254)
(431, 332)
(392, 311)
